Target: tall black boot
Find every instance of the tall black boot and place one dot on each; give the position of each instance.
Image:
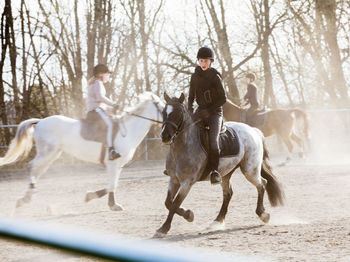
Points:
(112, 154)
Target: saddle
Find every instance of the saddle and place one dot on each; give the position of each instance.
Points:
(255, 120)
(93, 128)
(228, 141)
(228, 144)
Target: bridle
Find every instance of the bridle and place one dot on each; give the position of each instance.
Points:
(179, 127)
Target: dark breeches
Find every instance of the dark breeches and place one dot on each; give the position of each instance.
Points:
(214, 122)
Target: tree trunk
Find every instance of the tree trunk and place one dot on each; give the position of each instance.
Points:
(224, 48)
(91, 25)
(269, 97)
(144, 42)
(328, 9)
(13, 59)
(5, 42)
(25, 99)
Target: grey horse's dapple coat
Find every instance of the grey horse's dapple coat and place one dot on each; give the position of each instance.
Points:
(186, 161)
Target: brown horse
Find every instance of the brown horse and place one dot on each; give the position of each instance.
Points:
(276, 121)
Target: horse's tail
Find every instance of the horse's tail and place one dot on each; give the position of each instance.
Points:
(299, 113)
(273, 187)
(22, 143)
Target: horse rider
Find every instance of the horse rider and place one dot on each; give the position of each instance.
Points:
(98, 102)
(251, 96)
(207, 90)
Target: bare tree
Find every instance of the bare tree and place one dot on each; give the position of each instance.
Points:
(67, 45)
(6, 38)
(310, 35)
(326, 10)
(223, 46)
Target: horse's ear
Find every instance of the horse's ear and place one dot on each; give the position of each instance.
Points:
(166, 97)
(182, 98)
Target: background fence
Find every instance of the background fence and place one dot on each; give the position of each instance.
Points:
(329, 130)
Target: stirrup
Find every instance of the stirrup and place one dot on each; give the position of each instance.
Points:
(215, 177)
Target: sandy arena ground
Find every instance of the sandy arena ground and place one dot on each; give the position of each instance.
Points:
(314, 225)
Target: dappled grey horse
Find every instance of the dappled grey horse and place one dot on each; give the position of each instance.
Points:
(186, 162)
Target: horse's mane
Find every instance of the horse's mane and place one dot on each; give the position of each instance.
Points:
(142, 99)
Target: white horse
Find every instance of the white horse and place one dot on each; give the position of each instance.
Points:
(56, 134)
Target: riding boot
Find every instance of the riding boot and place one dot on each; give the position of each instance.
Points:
(215, 177)
(112, 154)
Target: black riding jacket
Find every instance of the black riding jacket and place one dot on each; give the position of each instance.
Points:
(206, 88)
(251, 95)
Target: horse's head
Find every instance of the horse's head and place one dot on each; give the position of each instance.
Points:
(173, 117)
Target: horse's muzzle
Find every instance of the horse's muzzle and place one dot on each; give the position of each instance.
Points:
(165, 137)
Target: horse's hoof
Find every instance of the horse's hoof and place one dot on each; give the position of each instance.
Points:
(89, 196)
(116, 207)
(159, 235)
(216, 225)
(265, 217)
(189, 216)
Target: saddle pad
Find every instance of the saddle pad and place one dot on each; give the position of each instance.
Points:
(228, 142)
(94, 128)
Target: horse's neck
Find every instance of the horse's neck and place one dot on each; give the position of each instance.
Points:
(188, 137)
(136, 127)
(232, 112)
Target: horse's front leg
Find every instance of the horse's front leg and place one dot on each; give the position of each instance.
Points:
(183, 191)
(173, 188)
(114, 171)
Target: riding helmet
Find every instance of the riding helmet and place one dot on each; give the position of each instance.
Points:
(101, 69)
(205, 53)
(251, 76)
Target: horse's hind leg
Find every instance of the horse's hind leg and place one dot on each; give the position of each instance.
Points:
(173, 188)
(37, 167)
(219, 222)
(95, 194)
(300, 143)
(253, 175)
(286, 139)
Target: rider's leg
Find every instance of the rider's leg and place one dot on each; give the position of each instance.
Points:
(215, 121)
(112, 154)
(251, 112)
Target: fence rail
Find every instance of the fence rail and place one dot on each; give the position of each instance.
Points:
(102, 246)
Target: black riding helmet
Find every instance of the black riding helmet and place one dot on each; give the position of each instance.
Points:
(205, 53)
(100, 69)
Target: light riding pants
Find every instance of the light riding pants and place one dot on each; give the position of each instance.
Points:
(109, 124)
